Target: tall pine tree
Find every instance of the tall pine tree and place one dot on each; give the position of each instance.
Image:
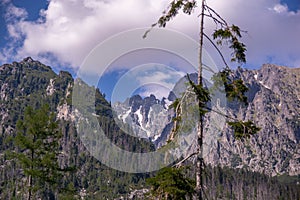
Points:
(37, 143)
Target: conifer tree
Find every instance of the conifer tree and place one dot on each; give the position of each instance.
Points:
(37, 143)
(234, 88)
(171, 183)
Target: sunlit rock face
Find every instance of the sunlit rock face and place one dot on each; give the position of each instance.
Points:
(147, 116)
(274, 105)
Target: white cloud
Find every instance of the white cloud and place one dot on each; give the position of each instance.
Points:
(146, 79)
(14, 14)
(160, 77)
(4, 2)
(72, 28)
(279, 8)
(158, 81)
(69, 29)
(272, 36)
(157, 90)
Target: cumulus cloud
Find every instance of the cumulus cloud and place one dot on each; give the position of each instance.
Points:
(147, 79)
(157, 90)
(14, 14)
(168, 80)
(272, 30)
(69, 29)
(162, 83)
(280, 8)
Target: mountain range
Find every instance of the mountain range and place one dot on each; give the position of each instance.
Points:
(274, 105)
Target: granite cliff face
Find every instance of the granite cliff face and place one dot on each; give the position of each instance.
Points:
(147, 116)
(274, 105)
(274, 98)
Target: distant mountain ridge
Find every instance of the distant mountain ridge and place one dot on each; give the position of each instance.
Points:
(274, 105)
(146, 116)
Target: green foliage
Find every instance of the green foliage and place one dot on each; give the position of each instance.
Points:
(243, 129)
(202, 94)
(27, 87)
(236, 89)
(225, 34)
(175, 104)
(171, 183)
(38, 148)
(227, 183)
(230, 35)
(233, 88)
(186, 6)
(68, 192)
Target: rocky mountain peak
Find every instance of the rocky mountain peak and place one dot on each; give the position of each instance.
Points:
(147, 116)
(135, 102)
(28, 60)
(30, 83)
(274, 105)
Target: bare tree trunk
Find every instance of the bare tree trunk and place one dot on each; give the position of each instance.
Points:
(30, 177)
(199, 164)
(29, 188)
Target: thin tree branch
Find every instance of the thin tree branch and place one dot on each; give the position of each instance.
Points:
(206, 67)
(211, 109)
(220, 113)
(215, 20)
(186, 158)
(218, 50)
(217, 14)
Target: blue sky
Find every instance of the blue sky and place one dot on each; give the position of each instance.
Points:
(293, 5)
(32, 7)
(61, 33)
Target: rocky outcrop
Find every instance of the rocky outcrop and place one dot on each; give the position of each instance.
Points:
(274, 105)
(276, 109)
(147, 117)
